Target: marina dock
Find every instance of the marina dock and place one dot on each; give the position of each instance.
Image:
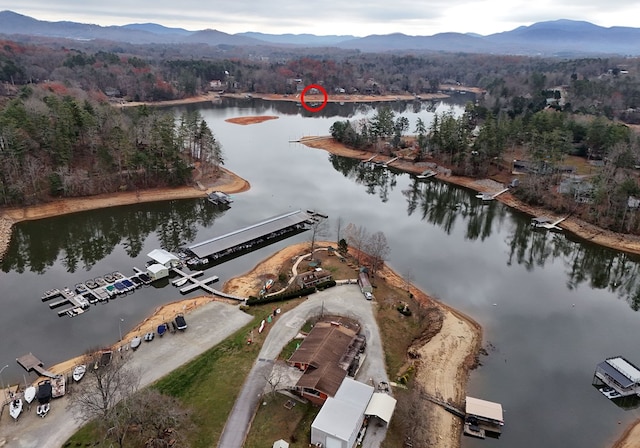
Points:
(30, 363)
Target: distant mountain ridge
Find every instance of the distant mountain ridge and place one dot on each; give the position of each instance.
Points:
(552, 38)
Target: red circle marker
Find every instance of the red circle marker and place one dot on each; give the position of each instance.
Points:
(324, 102)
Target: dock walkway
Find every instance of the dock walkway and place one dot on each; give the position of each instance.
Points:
(30, 363)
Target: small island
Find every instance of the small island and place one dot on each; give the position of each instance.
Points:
(251, 120)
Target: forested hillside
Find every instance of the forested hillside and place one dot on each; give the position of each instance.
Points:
(59, 142)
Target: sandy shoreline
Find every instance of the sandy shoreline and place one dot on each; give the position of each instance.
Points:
(228, 182)
(251, 120)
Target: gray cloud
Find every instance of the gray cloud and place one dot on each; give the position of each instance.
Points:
(332, 16)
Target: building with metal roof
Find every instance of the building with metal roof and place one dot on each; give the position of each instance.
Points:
(163, 257)
(483, 416)
(339, 421)
(246, 237)
(619, 374)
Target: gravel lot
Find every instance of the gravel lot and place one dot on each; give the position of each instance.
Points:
(208, 325)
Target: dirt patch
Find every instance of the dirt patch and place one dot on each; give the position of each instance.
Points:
(630, 438)
(251, 120)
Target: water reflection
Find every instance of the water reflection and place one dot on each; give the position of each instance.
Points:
(89, 237)
(445, 205)
(336, 110)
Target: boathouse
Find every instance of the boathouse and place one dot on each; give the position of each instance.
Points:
(483, 416)
(157, 271)
(163, 257)
(247, 237)
(619, 374)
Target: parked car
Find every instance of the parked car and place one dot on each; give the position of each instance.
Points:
(368, 296)
(181, 324)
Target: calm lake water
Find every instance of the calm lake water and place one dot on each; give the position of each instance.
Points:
(551, 307)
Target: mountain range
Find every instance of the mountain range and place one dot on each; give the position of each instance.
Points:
(552, 38)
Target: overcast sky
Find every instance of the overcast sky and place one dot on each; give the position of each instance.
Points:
(323, 17)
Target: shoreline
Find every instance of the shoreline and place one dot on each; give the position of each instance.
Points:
(228, 182)
(333, 98)
(581, 229)
(448, 378)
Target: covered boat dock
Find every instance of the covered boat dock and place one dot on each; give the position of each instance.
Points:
(249, 236)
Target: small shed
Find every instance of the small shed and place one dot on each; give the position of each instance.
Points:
(163, 257)
(157, 271)
(382, 406)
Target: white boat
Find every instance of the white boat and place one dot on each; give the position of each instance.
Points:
(15, 408)
(43, 410)
(79, 372)
(181, 281)
(135, 342)
(29, 394)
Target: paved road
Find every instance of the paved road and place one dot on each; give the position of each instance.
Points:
(345, 300)
(207, 326)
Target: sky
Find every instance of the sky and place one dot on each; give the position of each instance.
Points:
(328, 17)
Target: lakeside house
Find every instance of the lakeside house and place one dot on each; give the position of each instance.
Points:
(326, 356)
(312, 278)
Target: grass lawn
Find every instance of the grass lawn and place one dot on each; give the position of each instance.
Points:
(274, 421)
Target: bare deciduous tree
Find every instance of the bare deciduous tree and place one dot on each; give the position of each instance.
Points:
(378, 249)
(356, 237)
(105, 385)
(319, 228)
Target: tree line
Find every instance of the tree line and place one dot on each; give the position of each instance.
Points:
(607, 86)
(58, 142)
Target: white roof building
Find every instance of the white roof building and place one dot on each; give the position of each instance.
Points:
(382, 406)
(163, 257)
(157, 271)
(487, 410)
(341, 417)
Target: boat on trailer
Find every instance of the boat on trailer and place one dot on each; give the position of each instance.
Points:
(29, 394)
(15, 409)
(78, 372)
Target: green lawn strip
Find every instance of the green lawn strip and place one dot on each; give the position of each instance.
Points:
(210, 384)
(273, 421)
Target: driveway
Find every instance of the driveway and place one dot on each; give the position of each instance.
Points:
(345, 300)
(208, 325)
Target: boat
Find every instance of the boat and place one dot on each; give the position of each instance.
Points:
(162, 329)
(105, 359)
(78, 372)
(135, 342)
(91, 284)
(220, 198)
(109, 278)
(29, 394)
(44, 393)
(15, 409)
(100, 281)
(58, 386)
(181, 281)
(268, 284)
(43, 409)
(149, 336)
(81, 288)
(129, 284)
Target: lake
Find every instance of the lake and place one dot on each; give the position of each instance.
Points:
(551, 307)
